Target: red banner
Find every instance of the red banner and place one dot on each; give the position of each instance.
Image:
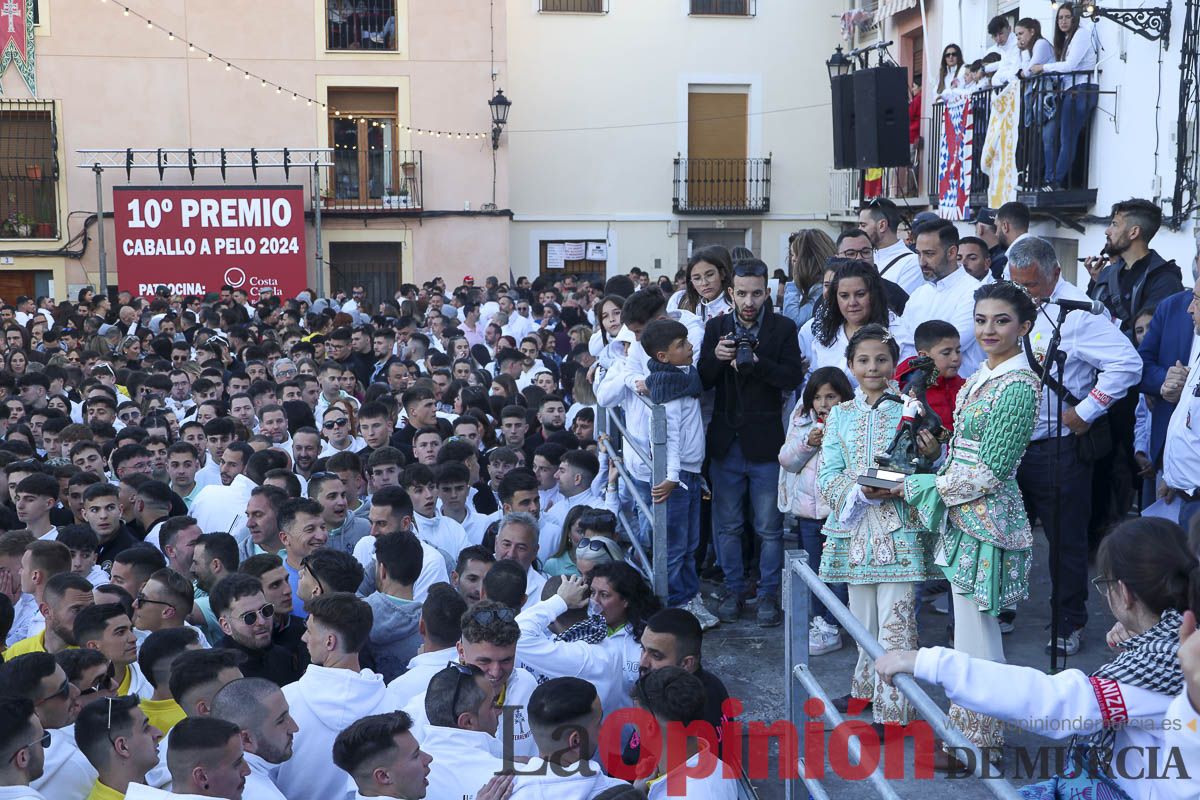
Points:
(17, 41)
(195, 239)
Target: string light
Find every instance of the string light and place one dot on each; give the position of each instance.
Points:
(126, 11)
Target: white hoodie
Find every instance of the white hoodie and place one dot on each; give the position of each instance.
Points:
(461, 762)
(552, 786)
(140, 791)
(67, 773)
(260, 783)
(421, 668)
(604, 665)
(324, 702)
(21, 793)
(518, 689)
(433, 566)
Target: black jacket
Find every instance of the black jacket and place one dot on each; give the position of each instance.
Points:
(1154, 279)
(276, 664)
(749, 407)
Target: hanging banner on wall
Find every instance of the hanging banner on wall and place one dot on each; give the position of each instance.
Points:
(196, 239)
(17, 40)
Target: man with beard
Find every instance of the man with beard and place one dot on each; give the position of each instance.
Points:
(880, 219)
(260, 709)
(1137, 277)
(246, 620)
(287, 629)
(306, 447)
(744, 455)
(63, 598)
(214, 556)
(262, 520)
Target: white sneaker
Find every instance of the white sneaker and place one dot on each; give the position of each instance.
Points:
(698, 610)
(823, 638)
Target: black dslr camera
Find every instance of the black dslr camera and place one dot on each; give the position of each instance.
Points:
(745, 342)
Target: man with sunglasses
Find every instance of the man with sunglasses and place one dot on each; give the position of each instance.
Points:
(164, 603)
(463, 718)
(333, 692)
(120, 743)
(246, 619)
(24, 739)
(37, 677)
(746, 432)
(92, 673)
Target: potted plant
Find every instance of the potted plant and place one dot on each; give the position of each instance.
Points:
(17, 226)
(43, 230)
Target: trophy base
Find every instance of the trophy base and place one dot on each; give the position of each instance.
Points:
(882, 478)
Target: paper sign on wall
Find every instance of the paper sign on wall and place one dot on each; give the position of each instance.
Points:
(576, 251)
(597, 251)
(555, 255)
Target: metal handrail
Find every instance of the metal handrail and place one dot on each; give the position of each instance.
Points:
(656, 563)
(796, 604)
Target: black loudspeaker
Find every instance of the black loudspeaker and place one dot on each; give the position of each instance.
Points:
(843, 122)
(881, 117)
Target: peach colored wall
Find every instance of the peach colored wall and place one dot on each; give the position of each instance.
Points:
(121, 85)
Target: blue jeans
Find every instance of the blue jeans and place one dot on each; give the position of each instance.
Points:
(732, 477)
(683, 538)
(1186, 512)
(812, 540)
(1060, 134)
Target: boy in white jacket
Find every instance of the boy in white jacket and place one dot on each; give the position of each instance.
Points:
(205, 756)
(333, 692)
(672, 381)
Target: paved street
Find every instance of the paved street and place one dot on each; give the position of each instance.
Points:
(750, 661)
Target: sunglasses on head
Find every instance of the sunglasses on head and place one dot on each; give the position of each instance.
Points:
(103, 683)
(487, 616)
(267, 612)
(750, 269)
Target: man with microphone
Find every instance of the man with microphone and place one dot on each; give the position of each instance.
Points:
(1101, 365)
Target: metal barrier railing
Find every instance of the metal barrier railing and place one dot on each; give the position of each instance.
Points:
(798, 581)
(608, 423)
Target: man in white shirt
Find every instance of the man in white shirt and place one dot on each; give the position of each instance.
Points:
(39, 679)
(1101, 366)
(383, 758)
(1005, 46)
(1181, 456)
(576, 473)
(517, 540)
(119, 742)
(391, 511)
(879, 219)
(1012, 225)
(333, 692)
(463, 717)
(453, 479)
(20, 728)
(948, 293)
(260, 709)
(440, 531)
(440, 628)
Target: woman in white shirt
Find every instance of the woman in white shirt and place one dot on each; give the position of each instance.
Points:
(854, 298)
(1075, 91)
(1146, 571)
(709, 275)
(950, 73)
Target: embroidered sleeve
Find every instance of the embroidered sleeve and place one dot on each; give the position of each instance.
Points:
(832, 479)
(978, 468)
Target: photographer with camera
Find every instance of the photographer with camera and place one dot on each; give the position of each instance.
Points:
(752, 358)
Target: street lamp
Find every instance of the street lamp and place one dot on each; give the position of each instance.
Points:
(838, 64)
(500, 106)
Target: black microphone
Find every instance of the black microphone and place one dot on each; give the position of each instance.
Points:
(1090, 306)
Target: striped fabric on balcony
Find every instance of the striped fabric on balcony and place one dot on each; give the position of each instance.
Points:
(888, 8)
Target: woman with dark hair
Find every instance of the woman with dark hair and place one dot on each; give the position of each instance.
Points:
(563, 560)
(950, 71)
(855, 298)
(709, 276)
(621, 595)
(505, 386)
(1148, 576)
(972, 504)
(808, 250)
(1076, 93)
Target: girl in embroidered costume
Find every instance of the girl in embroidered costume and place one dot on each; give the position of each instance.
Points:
(875, 542)
(973, 504)
(1147, 573)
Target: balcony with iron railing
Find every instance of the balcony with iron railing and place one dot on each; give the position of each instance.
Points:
(1053, 128)
(723, 8)
(360, 25)
(377, 182)
(573, 6)
(29, 170)
(722, 186)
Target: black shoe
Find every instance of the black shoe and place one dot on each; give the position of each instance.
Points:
(729, 609)
(842, 704)
(768, 613)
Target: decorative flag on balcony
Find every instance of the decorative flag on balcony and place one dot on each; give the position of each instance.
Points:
(872, 183)
(954, 158)
(999, 157)
(17, 41)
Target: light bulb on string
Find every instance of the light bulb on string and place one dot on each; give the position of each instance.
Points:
(209, 59)
(170, 36)
(228, 66)
(149, 25)
(263, 83)
(127, 11)
(309, 103)
(246, 76)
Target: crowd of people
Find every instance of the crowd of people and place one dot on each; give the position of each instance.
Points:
(361, 547)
